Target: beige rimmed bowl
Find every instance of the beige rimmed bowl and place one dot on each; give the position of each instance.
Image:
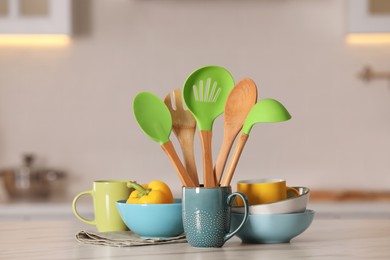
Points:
(290, 205)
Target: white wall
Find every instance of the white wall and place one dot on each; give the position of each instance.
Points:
(72, 106)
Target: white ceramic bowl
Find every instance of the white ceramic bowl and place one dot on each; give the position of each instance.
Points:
(289, 205)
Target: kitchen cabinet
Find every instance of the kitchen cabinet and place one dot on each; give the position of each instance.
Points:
(35, 17)
(368, 16)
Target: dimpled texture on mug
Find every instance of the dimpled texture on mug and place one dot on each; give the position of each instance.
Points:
(204, 229)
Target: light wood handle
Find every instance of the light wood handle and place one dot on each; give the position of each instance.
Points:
(222, 156)
(233, 162)
(186, 141)
(175, 160)
(209, 179)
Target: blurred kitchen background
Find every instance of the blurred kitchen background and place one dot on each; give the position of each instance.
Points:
(69, 103)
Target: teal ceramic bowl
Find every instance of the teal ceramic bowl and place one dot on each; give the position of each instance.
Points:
(272, 228)
(152, 220)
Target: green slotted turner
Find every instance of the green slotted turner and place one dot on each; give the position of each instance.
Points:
(264, 111)
(205, 92)
(155, 120)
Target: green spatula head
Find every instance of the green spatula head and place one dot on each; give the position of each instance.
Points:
(265, 111)
(153, 116)
(205, 92)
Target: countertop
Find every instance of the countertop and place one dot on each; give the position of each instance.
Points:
(325, 239)
(60, 209)
(339, 231)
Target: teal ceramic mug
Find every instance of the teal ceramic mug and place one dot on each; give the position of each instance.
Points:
(206, 215)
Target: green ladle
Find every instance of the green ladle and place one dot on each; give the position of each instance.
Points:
(264, 111)
(205, 92)
(155, 120)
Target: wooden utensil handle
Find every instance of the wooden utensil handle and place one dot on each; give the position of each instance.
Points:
(233, 162)
(222, 156)
(186, 141)
(175, 160)
(209, 179)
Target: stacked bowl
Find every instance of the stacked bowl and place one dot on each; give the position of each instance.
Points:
(276, 222)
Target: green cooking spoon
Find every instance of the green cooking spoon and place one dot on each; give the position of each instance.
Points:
(155, 120)
(264, 111)
(205, 92)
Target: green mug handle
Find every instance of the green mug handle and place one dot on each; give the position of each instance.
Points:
(76, 213)
(246, 213)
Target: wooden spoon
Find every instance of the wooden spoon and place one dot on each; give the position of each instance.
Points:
(183, 126)
(238, 104)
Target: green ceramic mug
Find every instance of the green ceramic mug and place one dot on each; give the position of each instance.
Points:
(105, 194)
(206, 215)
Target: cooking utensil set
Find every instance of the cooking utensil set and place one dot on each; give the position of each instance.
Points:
(207, 93)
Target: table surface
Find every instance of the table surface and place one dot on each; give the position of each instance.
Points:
(326, 238)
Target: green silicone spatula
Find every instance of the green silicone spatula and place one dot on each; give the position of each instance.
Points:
(155, 120)
(264, 111)
(205, 92)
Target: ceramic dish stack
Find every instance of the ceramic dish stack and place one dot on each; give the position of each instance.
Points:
(276, 222)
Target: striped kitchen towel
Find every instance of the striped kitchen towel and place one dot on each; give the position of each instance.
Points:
(123, 239)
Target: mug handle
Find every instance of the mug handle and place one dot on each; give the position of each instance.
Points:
(76, 213)
(292, 191)
(246, 213)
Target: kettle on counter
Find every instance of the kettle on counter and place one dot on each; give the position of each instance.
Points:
(28, 181)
